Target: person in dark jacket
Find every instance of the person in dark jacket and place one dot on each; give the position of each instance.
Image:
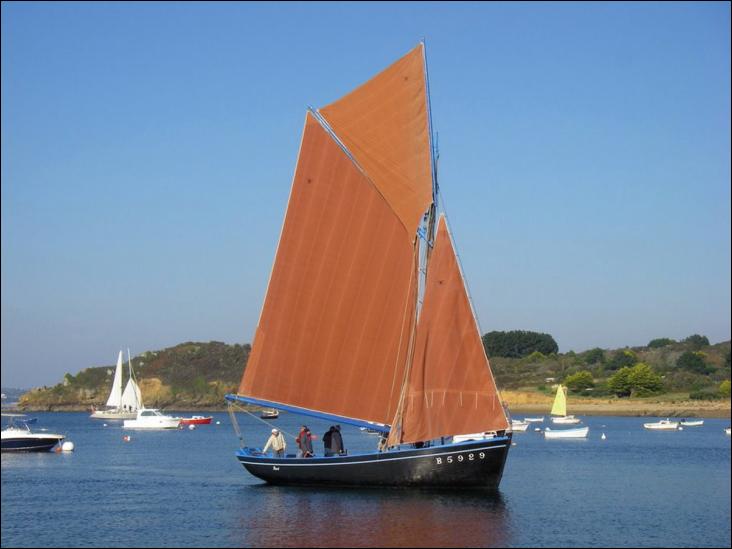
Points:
(336, 444)
(328, 441)
(304, 442)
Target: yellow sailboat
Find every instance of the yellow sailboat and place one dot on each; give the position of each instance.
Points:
(559, 409)
(559, 413)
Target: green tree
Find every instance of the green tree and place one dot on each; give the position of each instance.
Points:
(694, 362)
(644, 381)
(724, 388)
(518, 344)
(580, 381)
(696, 341)
(660, 342)
(622, 359)
(594, 356)
(619, 382)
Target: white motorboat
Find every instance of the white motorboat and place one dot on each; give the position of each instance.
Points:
(534, 419)
(580, 432)
(519, 426)
(691, 422)
(663, 425)
(121, 405)
(17, 437)
(727, 431)
(150, 418)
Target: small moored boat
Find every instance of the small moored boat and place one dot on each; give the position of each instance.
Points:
(580, 432)
(534, 419)
(269, 413)
(150, 418)
(195, 420)
(692, 422)
(519, 426)
(663, 425)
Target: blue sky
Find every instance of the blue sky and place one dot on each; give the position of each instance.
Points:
(148, 150)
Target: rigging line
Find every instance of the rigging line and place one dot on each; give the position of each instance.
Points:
(263, 421)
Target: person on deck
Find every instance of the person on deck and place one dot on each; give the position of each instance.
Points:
(305, 443)
(327, 441)
(336, 444)
(277, 442)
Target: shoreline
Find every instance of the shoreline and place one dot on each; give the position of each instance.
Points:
(701, 409)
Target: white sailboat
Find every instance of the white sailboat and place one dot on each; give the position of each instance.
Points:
(121, 405)
(559, 409)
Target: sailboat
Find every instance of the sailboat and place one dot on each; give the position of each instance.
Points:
(559, 409)
(367, 320)
(121, 404)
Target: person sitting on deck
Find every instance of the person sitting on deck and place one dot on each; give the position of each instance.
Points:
(277, 442)
(304, 443)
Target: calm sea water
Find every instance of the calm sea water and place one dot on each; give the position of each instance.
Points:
(185, 488)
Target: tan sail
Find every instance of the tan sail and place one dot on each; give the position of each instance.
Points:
(384, 124)
(335, 324)
(451, 389)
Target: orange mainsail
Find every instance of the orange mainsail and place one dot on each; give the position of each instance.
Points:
(335, 325)
(450, 389)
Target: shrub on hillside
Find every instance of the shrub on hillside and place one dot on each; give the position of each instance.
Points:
(694, 362)
(580, 381)
(660, 342)
(518, 344)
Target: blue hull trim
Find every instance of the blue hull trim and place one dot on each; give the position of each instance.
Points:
(307, 412)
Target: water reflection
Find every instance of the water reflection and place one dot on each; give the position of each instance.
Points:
(307, 517)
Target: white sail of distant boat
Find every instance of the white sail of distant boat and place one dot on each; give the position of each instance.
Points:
(121, 405)
(132, 396)
(115, 396)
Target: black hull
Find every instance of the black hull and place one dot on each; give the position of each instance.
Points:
(29, 445)
(474, 464)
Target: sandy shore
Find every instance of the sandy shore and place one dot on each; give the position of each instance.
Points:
(537, 403)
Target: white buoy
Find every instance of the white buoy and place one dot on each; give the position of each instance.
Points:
(67, 446)
(603, 437)
(218, 423)
(127, 438)
(104, 424)
(191, 427)
(681, 428)
(537, 429)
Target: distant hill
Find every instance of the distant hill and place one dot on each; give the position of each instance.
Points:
(198, 375)
(189, 375)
